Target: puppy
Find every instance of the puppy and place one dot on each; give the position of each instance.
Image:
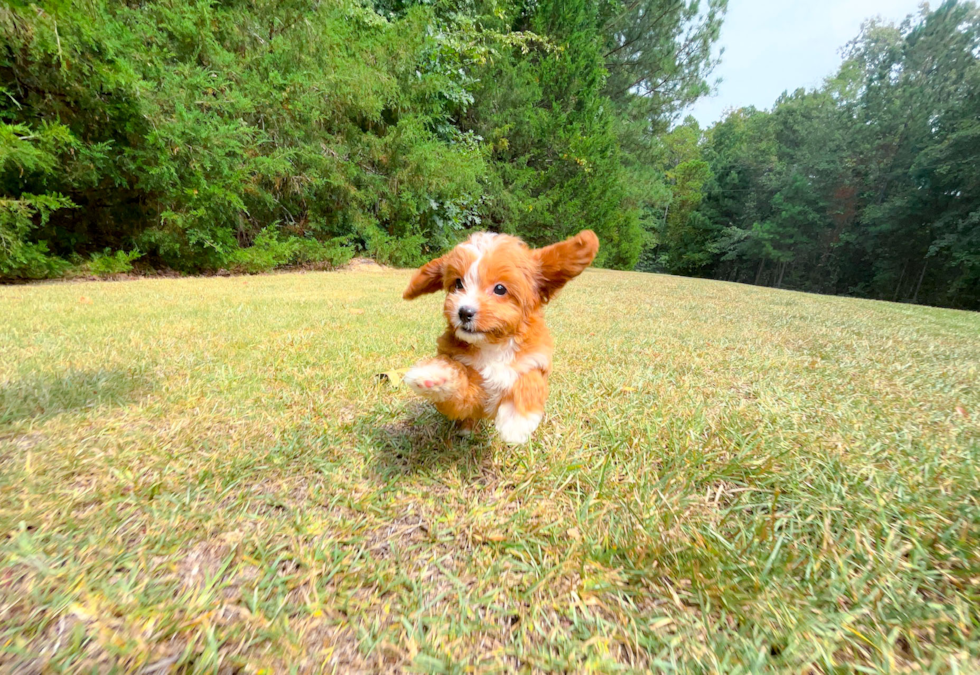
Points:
(494, 358)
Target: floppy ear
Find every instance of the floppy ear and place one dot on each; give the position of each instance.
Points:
(427, 280)
(562, 262)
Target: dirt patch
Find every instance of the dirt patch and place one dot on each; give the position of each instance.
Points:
(135, 275)
(335, 644)
(22, 441)
(201, 563)
(363, 265)
(402, 532)
(355, 265)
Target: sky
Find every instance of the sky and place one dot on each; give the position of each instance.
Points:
(776, 45)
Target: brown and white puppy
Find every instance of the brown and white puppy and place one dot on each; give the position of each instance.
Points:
(494, 358)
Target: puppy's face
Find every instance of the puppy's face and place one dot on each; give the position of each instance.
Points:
(494, 282)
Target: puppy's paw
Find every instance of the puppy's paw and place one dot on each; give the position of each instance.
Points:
(432, 379)
(513, 427)
(465, 428)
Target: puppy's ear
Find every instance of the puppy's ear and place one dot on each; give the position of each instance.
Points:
(562, 262)
(427, 280)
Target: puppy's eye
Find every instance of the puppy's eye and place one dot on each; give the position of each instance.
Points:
(458, 285)
(499, 289)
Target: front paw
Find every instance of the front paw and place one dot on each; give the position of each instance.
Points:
(433, 380)
(513, 427)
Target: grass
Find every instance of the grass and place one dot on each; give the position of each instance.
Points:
(205, 474)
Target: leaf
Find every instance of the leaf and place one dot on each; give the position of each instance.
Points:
(81, 612)
(85, 300)
(392, 377)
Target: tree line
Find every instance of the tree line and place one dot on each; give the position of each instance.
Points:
(866, 186)
(200, 135)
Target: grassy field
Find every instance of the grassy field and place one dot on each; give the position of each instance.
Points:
(205, 474)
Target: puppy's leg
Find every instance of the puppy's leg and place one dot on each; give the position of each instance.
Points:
(522, 408)
(445, 382)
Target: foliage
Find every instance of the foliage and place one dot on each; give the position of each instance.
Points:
(197, 130)
(269, 251)
(19, 256)
(108, 263)
(867, 186)
(23, 152)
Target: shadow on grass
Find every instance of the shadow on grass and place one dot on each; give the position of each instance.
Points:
(45, 395)
(418, 440)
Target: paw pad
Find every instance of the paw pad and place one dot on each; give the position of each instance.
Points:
(435, 380)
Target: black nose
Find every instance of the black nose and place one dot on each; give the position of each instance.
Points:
(466, 314)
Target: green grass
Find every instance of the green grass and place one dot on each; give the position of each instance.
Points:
(205, 473)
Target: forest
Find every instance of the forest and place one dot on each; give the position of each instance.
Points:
(245, 135)
(868, 186)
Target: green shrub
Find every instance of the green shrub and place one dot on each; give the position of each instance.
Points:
(331, 254)
(269, 251)
(21, 258)
(404, 251)
(266, 253)
(108, 263)
(212, 135)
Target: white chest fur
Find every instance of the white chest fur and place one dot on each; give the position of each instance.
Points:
(496, 365)
(499, 366)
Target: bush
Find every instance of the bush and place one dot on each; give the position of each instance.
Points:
(329, 254)
(397, 251)
(224, 135)
(109, 263)
(268, 252)
(21, 258)
(245, 135)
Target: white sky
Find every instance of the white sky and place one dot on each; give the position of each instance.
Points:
(772, 46)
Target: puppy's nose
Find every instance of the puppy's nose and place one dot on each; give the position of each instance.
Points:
(466, 314)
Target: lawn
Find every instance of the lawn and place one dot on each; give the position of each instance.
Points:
(206, 474)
